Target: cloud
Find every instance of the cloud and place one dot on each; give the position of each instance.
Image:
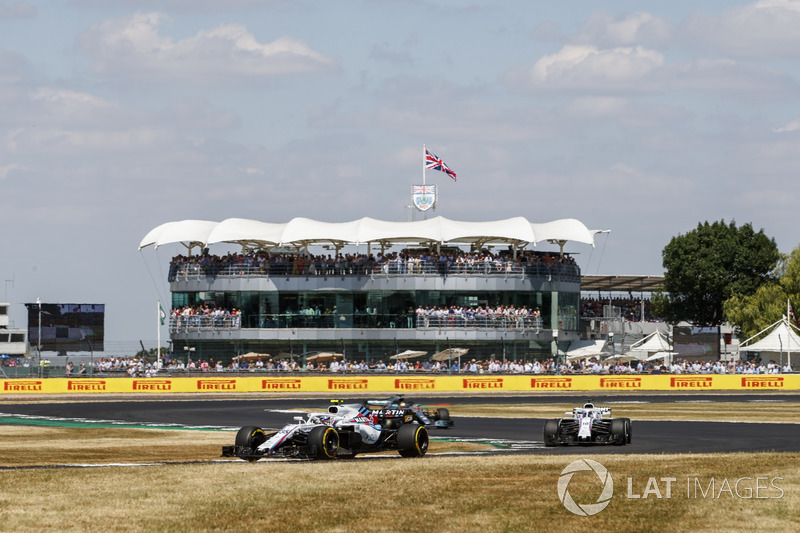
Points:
(134, 48)
(17, 10)
(7, 169)
(764, 29)
(791, 126)
(583, 67)
(637, 28)
(192, 6)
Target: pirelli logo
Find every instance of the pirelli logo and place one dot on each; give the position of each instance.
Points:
(621, 382)
(347, 384)
(691, 382)
(86, 385)
(22, 385)
(281, 384)
(216, 384)
(762, 382)
(551, 383)
(415, 383)
(483, 383)
(153, 385)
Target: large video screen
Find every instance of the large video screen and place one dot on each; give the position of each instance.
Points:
(693, 343)
(67, 327)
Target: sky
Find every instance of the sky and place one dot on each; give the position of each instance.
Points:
(643, 118)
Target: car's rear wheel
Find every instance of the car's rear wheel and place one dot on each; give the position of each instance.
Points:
(628, 429)
(551, 432)
(412, 440)
(325, 442)
(618, 427)
(248, 439)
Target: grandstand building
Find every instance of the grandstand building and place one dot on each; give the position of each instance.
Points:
(371, 289)
(13, 342)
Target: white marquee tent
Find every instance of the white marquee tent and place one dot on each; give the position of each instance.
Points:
(655, 342)
(586, 349)
(782, 338)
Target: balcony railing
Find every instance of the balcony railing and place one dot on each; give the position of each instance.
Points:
(186, 324)
(506, 269)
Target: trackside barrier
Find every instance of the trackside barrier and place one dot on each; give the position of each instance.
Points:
(403, 384)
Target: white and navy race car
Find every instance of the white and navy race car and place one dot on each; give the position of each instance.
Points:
(587, 425)
(435, 418)
(344, 430)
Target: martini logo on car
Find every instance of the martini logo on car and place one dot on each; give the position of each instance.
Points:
(216, 384)
(152, 384)
(86, 385)
(347, 384)
(281, 384)
(585, 509)
(621, 383)
(23, 385)
(551, 383)
(414, 383)
(762, 382)
(691, 382)
(483, 383)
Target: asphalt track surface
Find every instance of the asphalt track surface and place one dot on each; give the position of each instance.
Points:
(517, 435)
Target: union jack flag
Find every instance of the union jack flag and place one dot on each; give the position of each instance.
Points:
(434, 162)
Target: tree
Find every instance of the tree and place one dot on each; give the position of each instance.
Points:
(709, 265)
(751, 314)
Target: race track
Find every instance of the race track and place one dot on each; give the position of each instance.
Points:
(516, 435)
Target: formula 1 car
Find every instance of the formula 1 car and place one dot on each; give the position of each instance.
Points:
(437, 418)
(343, 431)
(587, 426)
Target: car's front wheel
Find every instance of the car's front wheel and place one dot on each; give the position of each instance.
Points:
(412, 440)
(248, 439)
(324, 440)
(442, 414)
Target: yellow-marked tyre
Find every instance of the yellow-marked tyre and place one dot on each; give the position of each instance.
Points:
(412, 440)
(325, 442)
(248, 439)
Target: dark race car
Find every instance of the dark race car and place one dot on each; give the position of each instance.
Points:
(436, 418)
(344, 430)
(587, 426)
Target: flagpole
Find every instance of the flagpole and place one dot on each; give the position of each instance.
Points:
(158, 332)
(424, 155)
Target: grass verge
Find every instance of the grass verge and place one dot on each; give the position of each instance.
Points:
(445, 493)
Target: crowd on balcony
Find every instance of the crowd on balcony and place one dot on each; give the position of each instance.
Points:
(206, 316)
(403, 262)
(502, 316)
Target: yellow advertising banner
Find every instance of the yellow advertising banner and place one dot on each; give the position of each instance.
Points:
(335, 383)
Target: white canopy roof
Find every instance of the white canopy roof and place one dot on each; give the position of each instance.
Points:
(655, 342)
(586, 349)
(782, 338)
(305, 231)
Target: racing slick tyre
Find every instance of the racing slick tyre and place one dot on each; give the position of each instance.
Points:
(248, 439)
(551, 432)
(627, 430)
(618, 427)
(325, 441)
(442, 414)
(412, 440)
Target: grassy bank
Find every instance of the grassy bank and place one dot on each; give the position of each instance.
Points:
(445, 493)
